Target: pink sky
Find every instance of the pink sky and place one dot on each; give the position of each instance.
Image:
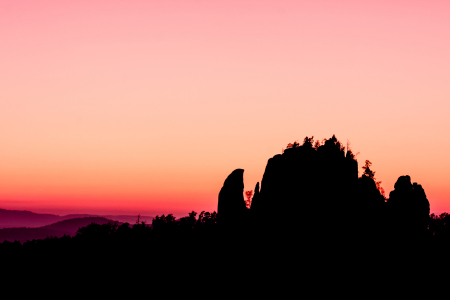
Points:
(147, 106)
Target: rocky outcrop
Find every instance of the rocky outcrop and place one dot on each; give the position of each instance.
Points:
(304, 183)
(409, 208)
(231, 207)
(297, 186)
(315, 193)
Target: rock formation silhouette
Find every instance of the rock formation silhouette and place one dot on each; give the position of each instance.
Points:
(409, 209)
(315, 194)
(231, 201)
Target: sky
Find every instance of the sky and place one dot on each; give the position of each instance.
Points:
(145, 107)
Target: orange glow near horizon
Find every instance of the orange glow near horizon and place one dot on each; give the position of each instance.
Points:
(148, 106)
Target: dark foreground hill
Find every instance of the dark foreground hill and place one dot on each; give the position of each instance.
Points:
(58, 229)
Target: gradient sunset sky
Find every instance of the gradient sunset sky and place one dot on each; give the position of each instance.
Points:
(146, 107)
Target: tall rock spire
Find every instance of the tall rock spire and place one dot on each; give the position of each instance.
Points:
(231, 207)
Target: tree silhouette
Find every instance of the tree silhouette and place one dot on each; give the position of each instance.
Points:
(248, 201)
(317, 144)
(371, 174)
(378, 183)
(308, 142)
(350, 153)
(188, 223)
(164, 223)
(367, 171)
(293, 145)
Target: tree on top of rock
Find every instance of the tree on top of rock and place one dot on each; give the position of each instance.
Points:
(293, 145)
(371, 174)
(367, 171)
(317, 145)
(308, 142)
(337, 143)
(350, 153)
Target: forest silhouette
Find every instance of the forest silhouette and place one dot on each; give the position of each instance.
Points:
(311, 206)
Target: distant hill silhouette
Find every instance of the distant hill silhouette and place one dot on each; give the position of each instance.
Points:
(23, 218)
(119, 218)
(72, 225)
(58, 229)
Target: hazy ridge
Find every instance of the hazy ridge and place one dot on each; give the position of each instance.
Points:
(24, 218)
(26, 225)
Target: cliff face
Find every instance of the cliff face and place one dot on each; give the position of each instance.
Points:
(313, 191)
